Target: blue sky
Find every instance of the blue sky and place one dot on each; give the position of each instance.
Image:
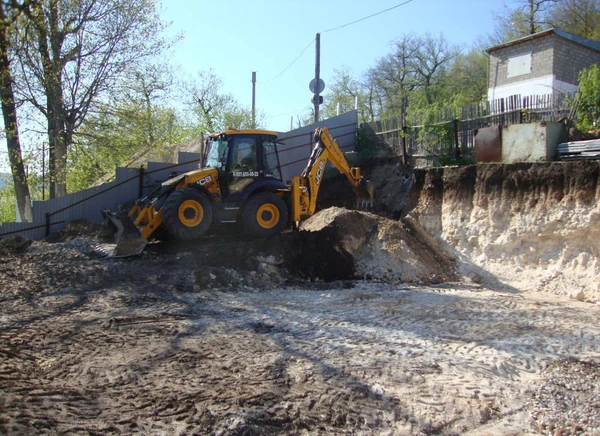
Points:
(237, 37)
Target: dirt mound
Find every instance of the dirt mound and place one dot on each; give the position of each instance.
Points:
(343, 244)
(334, 244)
(14, 245)
(76, 228)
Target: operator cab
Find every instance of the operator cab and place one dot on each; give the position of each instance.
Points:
(242, 158)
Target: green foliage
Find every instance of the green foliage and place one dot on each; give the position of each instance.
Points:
(8, 198)
(8, 204)
(115, 137)
(588, 108)
(343, 91)
(367, 147)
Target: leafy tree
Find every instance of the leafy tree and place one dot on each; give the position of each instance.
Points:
(118, 137)
(7, 204)
(71, 53)
(9, 113)
(135, 122)
(213, 109)
(344, 91)
(467, 78)
(588, 108)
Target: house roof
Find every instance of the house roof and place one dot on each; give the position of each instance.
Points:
(594, 45)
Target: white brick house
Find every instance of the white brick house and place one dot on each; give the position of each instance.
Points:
(545, 63)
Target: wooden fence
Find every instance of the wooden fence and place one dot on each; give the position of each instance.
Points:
(448, 136)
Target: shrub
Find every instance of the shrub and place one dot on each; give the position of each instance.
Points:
(588, 108)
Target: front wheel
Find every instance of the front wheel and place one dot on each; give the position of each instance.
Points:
(265, 214)
(187, 214)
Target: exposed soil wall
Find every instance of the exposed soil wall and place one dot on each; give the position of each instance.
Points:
(527, 226)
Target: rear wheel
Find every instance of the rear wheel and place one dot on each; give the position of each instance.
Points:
(187, 214)
(265, 214)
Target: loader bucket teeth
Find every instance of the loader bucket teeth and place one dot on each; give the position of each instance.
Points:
(119, 236)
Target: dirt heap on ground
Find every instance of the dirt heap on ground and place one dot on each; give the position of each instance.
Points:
(342, 243)
(334, 244)
(14, 245)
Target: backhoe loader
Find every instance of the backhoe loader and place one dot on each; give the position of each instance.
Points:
(240, 182)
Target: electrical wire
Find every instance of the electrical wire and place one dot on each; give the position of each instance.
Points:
(292, 63)
(365, 18)
(331, 30)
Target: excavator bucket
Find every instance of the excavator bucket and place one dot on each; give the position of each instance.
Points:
(119, 236)
(365, 192)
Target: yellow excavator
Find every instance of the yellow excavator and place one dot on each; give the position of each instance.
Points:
(240, 182)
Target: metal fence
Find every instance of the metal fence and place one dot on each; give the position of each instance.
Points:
(446, 136)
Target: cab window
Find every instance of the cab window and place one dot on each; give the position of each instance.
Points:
(244, 154)
(270, 161)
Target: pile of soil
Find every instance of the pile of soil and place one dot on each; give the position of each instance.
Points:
(345, 244)
(14, 245)
(76, 228)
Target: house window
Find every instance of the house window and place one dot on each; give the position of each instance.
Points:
(519, 65)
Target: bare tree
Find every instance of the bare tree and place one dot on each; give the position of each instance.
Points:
(581, 17)
(416, 64)
(393, 76)
(432, 57)
(529, 17)
(9, 113)
(71, 53)
(214, 109)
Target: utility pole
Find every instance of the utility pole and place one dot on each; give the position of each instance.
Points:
(317, 75)
(254, 99)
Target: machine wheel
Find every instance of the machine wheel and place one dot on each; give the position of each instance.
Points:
(265, 214)
(187, 214)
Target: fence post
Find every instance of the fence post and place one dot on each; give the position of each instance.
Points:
(47, 224)
(141, 182)
(456, 144)
(404, 151)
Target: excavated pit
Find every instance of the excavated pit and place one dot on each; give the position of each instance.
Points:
(459, 303)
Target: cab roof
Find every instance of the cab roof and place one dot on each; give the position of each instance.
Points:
(231, 131)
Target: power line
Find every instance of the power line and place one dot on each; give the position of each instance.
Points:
(365, 18)
(292, 63)
(331, 30)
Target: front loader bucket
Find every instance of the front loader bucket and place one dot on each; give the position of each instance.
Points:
(119, 236)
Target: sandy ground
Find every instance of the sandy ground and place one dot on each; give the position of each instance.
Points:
(170, 343)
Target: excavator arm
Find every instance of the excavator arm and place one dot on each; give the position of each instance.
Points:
(305, 188)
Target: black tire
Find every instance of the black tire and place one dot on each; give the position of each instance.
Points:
(187, 214)
(265, 214)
